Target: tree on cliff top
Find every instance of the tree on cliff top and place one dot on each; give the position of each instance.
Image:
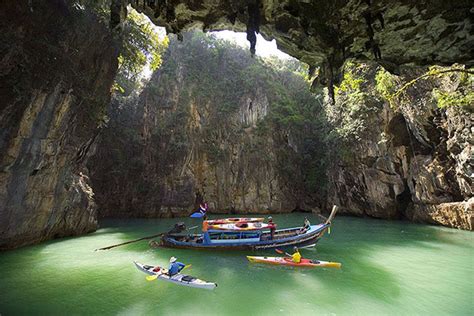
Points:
(142, 47)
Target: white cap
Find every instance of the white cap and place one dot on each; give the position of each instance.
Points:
(172, 259)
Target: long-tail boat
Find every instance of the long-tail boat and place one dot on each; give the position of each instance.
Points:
(261, 237)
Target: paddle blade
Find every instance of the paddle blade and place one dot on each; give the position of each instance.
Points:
(283, 252)
(329, 230)
(151, 277)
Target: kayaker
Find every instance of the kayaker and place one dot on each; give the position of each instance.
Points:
(272, 227)
(175, 266)
(296, 257)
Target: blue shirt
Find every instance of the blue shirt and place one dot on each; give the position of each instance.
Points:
(175, 267)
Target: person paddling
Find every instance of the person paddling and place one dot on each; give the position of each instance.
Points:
(175, 266)
(296, 257)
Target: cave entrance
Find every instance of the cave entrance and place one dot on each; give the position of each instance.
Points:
(403, 201)
(402, 135)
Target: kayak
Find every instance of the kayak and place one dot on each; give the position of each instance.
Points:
(240, 226)
(178, 278)
(235, 220)
(288, 262)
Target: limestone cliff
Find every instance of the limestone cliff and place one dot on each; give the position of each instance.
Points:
(212, 123)
(408, 160)
(201, 130)
(56, 67)
(58, 63)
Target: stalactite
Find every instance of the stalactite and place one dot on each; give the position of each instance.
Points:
(253, 24)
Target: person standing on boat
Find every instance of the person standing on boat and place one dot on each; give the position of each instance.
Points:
(205, 226)
(296, 257)
(272, 227)
(175, 266)
(203, 208)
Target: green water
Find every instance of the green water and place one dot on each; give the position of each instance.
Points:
(389, 268)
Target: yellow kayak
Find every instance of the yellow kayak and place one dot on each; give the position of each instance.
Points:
(288, 262)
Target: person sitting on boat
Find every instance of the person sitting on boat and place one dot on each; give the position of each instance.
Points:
(175, 266)
(296, 257)
(306, 226)
(272, 227)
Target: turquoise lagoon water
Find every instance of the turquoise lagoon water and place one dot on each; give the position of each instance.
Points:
(388, 268)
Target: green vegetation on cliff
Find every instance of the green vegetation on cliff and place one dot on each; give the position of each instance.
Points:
(141, 47)
(245, 132)
(268, 94)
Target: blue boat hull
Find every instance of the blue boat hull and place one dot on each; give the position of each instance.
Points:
(283, 238)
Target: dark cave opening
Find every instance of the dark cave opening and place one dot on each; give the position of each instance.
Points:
(403, 201)
(403, 136)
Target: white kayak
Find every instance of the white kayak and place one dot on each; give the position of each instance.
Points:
(178, 278)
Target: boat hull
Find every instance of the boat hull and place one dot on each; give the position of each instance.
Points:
(177, 278)
(310, 237)
(287, 262)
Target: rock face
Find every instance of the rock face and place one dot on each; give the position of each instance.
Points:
(328, 32)
(205, 127)
(58, 63)
(412, 160)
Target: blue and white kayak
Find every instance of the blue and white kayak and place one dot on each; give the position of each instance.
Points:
(178, 278)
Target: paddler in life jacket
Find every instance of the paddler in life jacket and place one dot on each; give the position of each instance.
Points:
(296, 257)
(175, 266)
